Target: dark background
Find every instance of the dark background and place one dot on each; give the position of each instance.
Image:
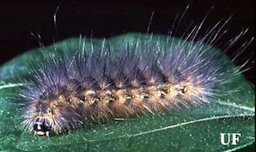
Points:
(105, 19)
(109, 18)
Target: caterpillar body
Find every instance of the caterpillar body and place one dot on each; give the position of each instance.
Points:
(96, 84)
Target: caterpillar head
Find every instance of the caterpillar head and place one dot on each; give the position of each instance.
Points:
(43, 120)
(42, 126)
(39, 118)
(57, 116)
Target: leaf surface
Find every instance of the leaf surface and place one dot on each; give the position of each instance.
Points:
(195, 129)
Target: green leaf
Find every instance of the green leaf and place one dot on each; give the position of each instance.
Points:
(195, 129)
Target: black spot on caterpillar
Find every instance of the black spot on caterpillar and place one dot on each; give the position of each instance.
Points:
(145, 75)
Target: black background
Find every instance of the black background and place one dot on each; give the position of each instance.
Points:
(18, 20)
(108, 18)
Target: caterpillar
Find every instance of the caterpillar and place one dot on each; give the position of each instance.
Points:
(96, 84)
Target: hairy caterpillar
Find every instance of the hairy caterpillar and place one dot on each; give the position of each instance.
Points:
(142, 76)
